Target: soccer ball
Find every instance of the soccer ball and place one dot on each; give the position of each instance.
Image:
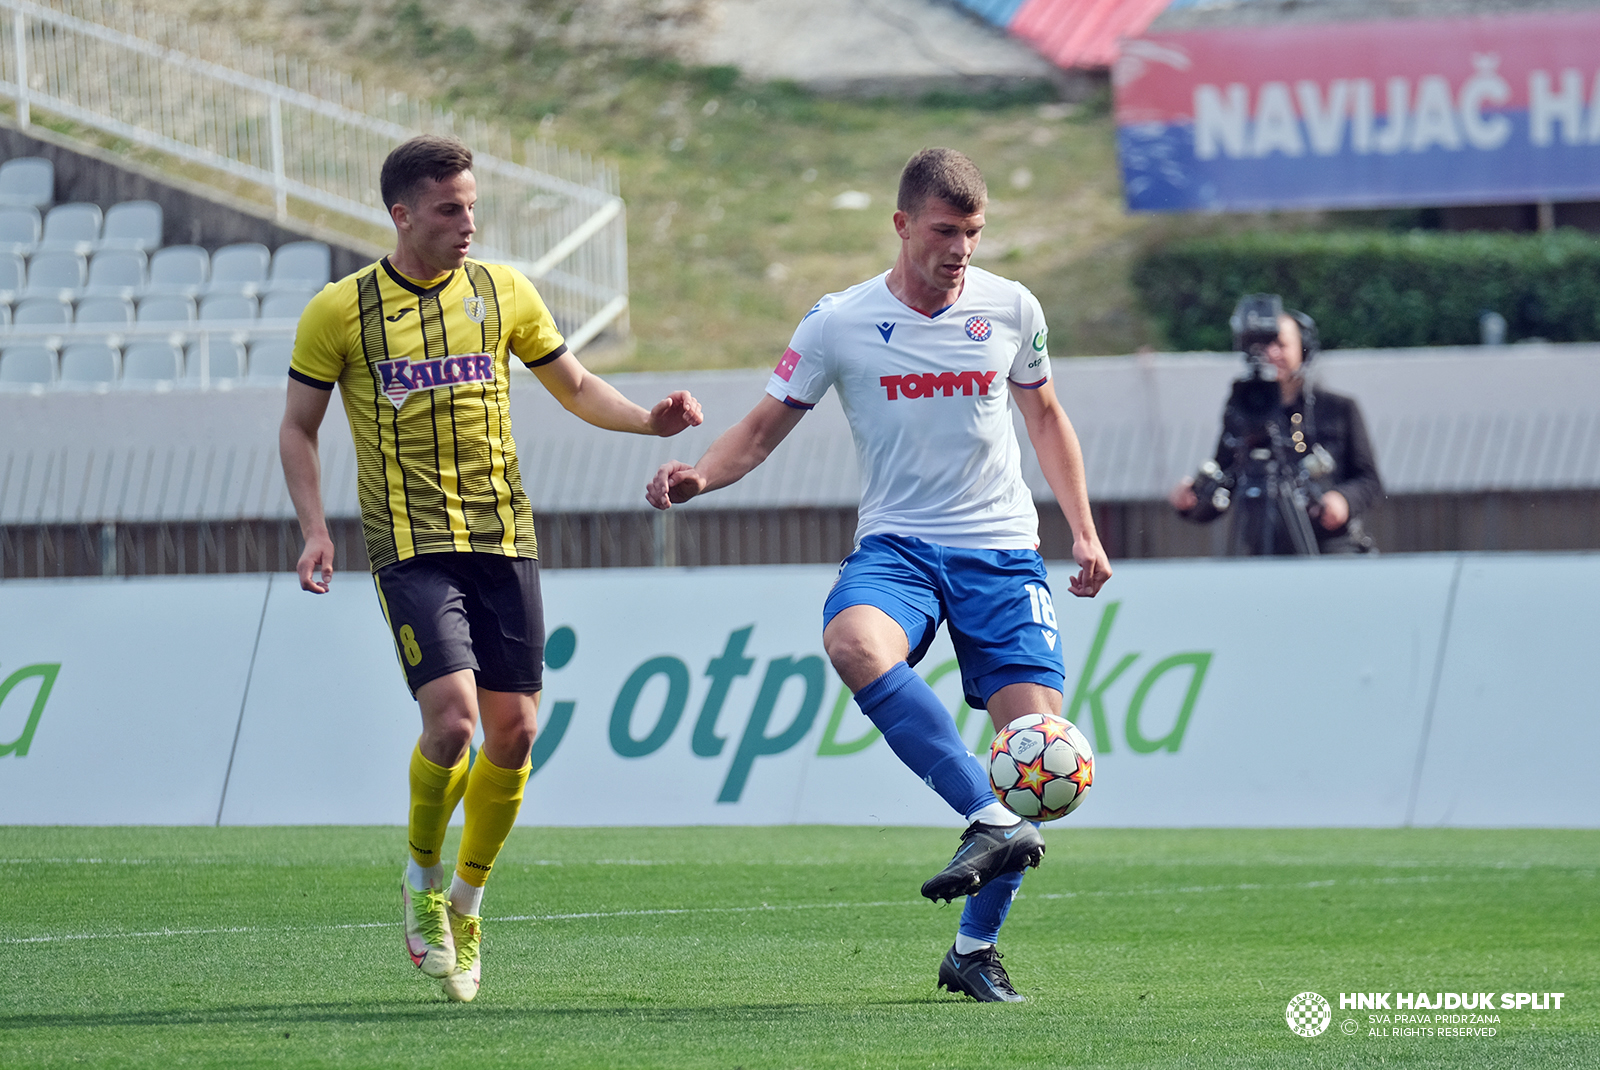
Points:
(1040, 766)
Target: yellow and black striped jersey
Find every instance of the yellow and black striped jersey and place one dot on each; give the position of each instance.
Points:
(424, 369)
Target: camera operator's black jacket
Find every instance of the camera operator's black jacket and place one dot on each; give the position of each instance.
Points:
(1339, 429)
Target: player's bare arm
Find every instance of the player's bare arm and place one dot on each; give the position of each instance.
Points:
(595, 401)
(735, 453)
(302, 470)
(1061, 460)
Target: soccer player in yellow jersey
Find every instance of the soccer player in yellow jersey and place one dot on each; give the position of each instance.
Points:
(420, 345)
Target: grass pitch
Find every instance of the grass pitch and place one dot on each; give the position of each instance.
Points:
(791, 947)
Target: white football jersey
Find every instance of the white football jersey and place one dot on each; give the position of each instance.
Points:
(928, 404)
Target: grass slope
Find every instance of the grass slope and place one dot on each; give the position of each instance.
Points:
(788, 947)
(729, 182)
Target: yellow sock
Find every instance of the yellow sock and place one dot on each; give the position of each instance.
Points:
(435, 791)
(494, 796)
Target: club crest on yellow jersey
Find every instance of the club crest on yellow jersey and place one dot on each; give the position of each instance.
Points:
(476, 308)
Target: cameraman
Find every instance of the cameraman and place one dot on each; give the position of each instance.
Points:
(1294, 465)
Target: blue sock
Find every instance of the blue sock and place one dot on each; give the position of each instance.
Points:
(985, 912)
(923, 735)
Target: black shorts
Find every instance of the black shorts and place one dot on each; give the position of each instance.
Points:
(455, 611)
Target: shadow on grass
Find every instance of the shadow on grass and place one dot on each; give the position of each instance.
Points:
(426, 1010)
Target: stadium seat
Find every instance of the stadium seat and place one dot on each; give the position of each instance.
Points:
(178, 269)
(71, 227)
(167, 309)
(27, 364)
(5, 315)
(116, 272)
(28, 182)
(285, 304)
(19, 229)
(13, 273)
(146, 363)
(54, 274)
(132, 225)
(269, 360)
(227, 360)
(41, 312)
(239, 269)
(300, 265)
(114, 311)
(227, 307)
(88, 362)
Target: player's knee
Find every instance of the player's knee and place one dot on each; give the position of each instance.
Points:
(856, 659)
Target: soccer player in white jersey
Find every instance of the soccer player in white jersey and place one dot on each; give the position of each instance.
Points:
(927, 359)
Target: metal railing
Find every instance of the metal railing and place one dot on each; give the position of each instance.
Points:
(212, 352)
(309, 134)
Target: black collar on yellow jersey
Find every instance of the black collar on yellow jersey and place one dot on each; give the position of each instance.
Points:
(405, 283)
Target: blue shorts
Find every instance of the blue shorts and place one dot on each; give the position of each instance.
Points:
(1002, 621)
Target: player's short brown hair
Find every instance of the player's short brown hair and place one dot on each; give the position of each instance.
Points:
(426, 157)
(945, 174)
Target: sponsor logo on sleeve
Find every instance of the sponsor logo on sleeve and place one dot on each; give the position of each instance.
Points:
(402, 377)
(1039, 339)
(787, 365)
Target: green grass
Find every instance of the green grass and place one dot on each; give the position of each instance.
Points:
(787, 947)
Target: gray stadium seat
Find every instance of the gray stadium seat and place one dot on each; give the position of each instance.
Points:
(227, 307)
(54, 273)
(88, 362)
(5, 315)
(285, 304)
(28, 181)
(144, 363)
(178, 269)
(115, 311)
(300, 265)
(72, 227)
(269, 359)
(239, 269)
(118, 272)
(27, 364)
(13, 273)
(227, 360)
(132, 225)
(19, 228)
(167, 309)
(41, 312)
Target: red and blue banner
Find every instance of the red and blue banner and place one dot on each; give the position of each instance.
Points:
(1482, 110)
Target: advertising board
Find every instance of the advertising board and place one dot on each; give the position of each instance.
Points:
(1373, 692)
(1470, 110)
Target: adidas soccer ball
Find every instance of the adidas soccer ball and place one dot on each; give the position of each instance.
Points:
(1040, 766)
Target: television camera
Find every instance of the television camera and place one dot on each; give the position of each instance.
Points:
(1271, 476)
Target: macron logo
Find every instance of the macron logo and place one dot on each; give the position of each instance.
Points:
(886, 329)
(927, 384)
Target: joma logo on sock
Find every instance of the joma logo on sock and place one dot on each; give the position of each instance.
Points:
(927, 384)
